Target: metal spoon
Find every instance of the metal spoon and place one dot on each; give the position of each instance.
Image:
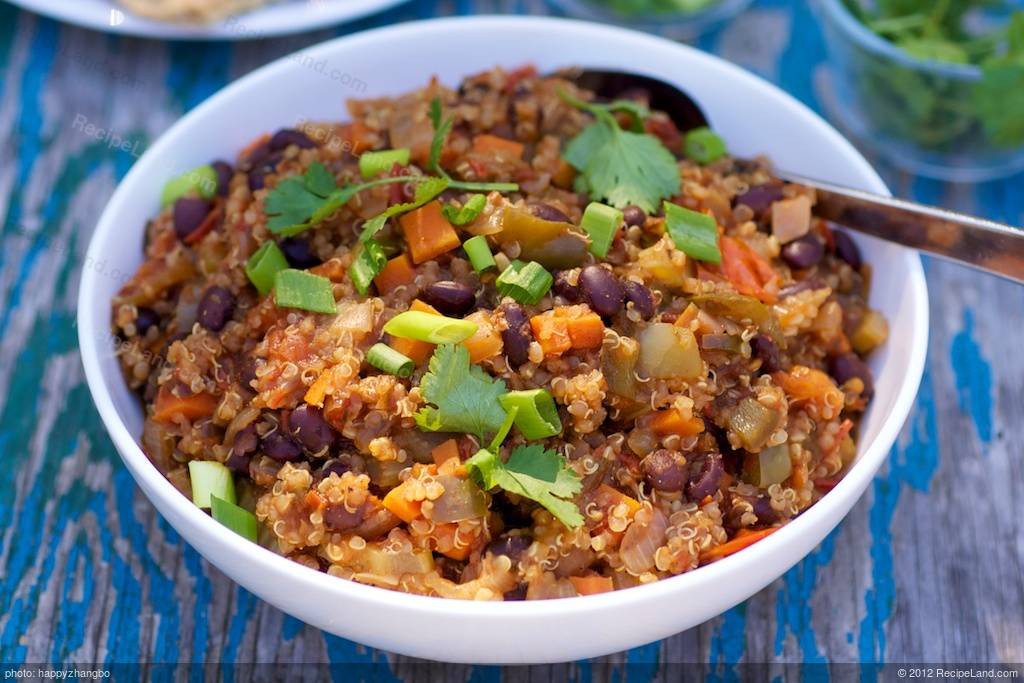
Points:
(982, 244)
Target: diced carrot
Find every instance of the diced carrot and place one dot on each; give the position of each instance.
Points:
(607, 497)
(688, 315)
(446, 535)
(486, 341)
(400, 506)
(591, 585)
(315, 500)
(168, 406)
(428, 233)
(551, 332)
(357, 137)
(809, 384)
(670, 421)
(332, 269)
(493, 145)
(747, 271)
(398, 272)
(586, 331)
(418, 351)
(743, 538)
(564, 176)
(446, 451)
(318, 390)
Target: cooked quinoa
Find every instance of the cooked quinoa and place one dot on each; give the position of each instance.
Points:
(642, 399)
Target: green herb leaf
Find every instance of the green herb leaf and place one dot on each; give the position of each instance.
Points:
(464, 398)
(621, 167)
(533, 472)
(442, 127)
(426, 189)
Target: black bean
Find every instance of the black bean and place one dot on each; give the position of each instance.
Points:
(307, 426)
(189, 213)
(224, 173)
(760, 197)
(602, 290)
(266, 166)
(289, 136)
(257, 155)
(339, 518)
(565, 289)
(767, 350)
(450, 298)
(215, 308)
(707, 479)
(641, 298)
(766, 514)
(281, 447)
(804, 252)
(801, 286)
(245, 444)
(511, 545)
(634, 215)
(336, 466)
(665, 470)
(145, 318)
(298, 252)
(517, 593)
(847, 249)
(549, 213)
(517, 336)
(846, 366)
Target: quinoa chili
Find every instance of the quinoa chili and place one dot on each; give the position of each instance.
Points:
(503, 343)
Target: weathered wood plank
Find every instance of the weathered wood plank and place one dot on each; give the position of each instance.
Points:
(928, 567)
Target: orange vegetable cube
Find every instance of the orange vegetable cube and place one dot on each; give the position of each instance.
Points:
(400, 506)
(398, 272)
(586, 331)
(671, 422)
(168, 406)
(591, 585)
(428, 233)
(486, 341)
(491, 144)
(551, 332)
(446, 451)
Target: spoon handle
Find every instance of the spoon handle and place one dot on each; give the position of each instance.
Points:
(986, 245)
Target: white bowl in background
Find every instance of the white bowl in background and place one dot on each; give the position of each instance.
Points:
(752, 115)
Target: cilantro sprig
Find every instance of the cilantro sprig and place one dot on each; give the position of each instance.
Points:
(621, 167)
(533, 472)
(463, 397)
(298, 203)
(932, 110)
(426, 190)
(442, 128)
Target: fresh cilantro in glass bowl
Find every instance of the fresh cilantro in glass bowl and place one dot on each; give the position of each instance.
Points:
(681, 19)
(934, 86)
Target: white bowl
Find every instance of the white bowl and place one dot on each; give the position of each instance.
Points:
(753, 116)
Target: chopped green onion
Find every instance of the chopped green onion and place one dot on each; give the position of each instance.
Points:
(386, 359)
(210, 478)
(367, 265)
(375, 163)
(704, 146)
(201, 180)
(527, 283)
(436, 329)
(467, 213)
(600, 222)
(694, 233)
(536, 415)
(506, 427)
(238, 519)
(479, 253)
(299, 289)
(264, 264)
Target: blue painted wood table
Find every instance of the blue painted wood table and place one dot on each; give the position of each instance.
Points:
(928, 567)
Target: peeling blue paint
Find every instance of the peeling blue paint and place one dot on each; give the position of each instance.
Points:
(973, 378)
(728, 644)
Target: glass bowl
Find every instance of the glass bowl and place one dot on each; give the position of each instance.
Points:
(919, 115)
(677, 25)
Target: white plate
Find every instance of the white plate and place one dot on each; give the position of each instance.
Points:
(289, 16)
(753, 116)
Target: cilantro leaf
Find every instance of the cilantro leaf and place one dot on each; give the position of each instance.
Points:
(999, 98)
(442, 127)
(533, 472)
(295, 199)
(621, 167)
(426, 190)
(464, 397)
